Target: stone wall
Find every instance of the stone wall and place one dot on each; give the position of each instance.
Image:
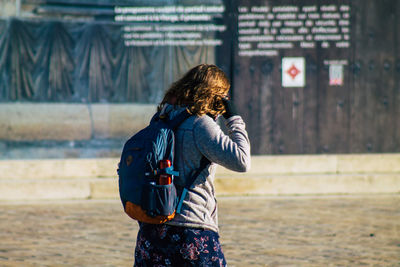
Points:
(61, 122)
(61, 130)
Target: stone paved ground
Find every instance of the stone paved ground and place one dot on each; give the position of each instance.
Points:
(262, 231)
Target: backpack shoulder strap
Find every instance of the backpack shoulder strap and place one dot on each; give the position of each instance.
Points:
(204, 162)
(155, 117)
(178, 120)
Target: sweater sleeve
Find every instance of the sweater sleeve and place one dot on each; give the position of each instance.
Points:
(231, 151)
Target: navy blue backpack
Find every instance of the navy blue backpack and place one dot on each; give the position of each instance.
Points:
(146, 173)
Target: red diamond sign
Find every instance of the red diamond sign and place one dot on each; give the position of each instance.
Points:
(293, 72)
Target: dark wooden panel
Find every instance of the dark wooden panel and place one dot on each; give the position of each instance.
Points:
(253, 95)
(288, 115)
(384, 139)
(396, 88)
(262, 72)
(288, 107)
(254, 81)
(333, 101)
(372, 111)
(309, 142)
(358, 76)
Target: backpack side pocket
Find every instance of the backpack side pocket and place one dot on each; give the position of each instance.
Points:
(159, 199)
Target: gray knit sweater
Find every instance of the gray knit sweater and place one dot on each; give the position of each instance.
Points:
(198, 136)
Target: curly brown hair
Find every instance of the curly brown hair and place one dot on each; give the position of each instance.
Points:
(201, 90)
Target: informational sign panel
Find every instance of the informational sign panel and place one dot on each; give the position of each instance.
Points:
(264, 30)
(293, 72)
(172, 25)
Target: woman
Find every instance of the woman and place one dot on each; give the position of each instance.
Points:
(191, 238)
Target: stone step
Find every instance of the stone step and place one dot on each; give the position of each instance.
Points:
(269, 175)
(309, 184)
(322, 164)
(107, 188)
(261, 165)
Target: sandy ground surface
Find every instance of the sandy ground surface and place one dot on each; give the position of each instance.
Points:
(255, 231)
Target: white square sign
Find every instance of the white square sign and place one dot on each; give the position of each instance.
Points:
(293, 72)
(335, 74)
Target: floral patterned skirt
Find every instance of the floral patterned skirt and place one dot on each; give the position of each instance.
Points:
(167, 245)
